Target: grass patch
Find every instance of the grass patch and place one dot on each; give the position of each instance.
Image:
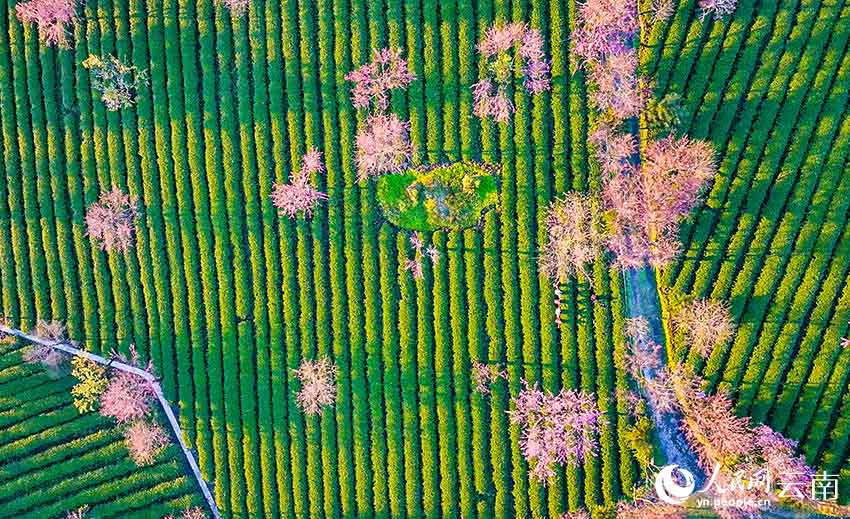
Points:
(448, 196)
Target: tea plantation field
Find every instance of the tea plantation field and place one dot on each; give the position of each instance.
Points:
(226, 297)
(55, 460)
(769, 87)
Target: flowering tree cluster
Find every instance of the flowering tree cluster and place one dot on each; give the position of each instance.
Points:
(383, 142)
(124, 396)
(415, 265)
(662, 9)
(318, 385)
(299, 197)
(374, 81)
(649, 509)
(605, 40)
(236, 7)
(92, 383)
(704, 324)
(79, 513)
(116, 82)
(575, 237)
(506, 50)
(47, 356)
(109, 221)
(127, 398)
(643, 362)
(736, 445)
(740, 457)
(383, 146)
(643, 202)
(485, 375)
(556, 428)
(194, 512)
(53, 18)
(717, 8)
(145, 440)
(646, 204)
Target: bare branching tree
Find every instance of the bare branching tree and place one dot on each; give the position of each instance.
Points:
(318, 385)
(705, 324)
(575, 237)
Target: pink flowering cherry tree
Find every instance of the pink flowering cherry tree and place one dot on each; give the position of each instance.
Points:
(79, 513)
(374, 81)
(605, 28)
(616, 90)
(110, 220)
(662, 9)
(383, 146)
(53, 18)
(717, 8)
(128, 397)
(318, 385)
(704, 324)
(145, 440)
(649, 509)
(49, 357)
(485, 375)
(647, 205)
(507, 48)
(415, 265)
(194, 512)
(613, 150)
(576, 514)
(236, 7)
(556, 428)
(299, 197)
(644, 363)
(644, 355)
(575, 237)
(383, 141)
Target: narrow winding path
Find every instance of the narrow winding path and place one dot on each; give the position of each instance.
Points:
(67, 347)
(642, 301)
